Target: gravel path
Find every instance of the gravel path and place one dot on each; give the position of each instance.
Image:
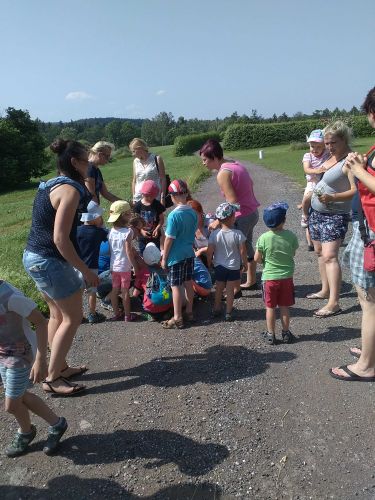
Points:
(211, 412)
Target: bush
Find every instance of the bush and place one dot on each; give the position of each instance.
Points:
(296, 146)
(188, 144)
(272, 134)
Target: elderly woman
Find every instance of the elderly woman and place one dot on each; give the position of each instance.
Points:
(329, 217)
(363, 168)
(237, 187)
(99, 155)
(146, 166)
(51, 260)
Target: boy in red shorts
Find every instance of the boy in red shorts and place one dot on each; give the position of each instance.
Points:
(275, 249)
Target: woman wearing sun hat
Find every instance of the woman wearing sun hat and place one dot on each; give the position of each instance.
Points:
(237, 187)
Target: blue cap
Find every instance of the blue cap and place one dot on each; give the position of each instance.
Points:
(274, 214)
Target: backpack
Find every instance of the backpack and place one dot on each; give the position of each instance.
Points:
(158, 289)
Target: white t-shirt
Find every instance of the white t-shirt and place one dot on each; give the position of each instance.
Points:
(119, 259)
(227, 247)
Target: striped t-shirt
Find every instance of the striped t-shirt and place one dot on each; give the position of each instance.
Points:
(315, 162)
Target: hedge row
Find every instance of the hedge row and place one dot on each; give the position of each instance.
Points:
(188, 144)
(248, 136)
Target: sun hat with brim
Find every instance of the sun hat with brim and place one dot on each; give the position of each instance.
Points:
(177, 186)
(151, 254)
(225, 210)
(315, 136)
(274, 214)
(117, 208)
(94, 211)
(149, 188)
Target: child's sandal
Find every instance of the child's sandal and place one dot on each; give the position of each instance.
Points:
(173, 323)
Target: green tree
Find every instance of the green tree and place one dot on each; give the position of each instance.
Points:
(128, 131)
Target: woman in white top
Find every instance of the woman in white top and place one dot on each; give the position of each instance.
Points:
(146, 166)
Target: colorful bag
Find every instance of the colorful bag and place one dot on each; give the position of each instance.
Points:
(158, 289)
(369, 257)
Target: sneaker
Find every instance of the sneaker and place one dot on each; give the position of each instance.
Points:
(106, 305)
(118, 317)
(130, 317)
(20, 443)
(55, 433)
(95, 317)
(304, 221)
(288, 337)
(269, 338)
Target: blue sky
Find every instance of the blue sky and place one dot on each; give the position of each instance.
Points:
(73, 59)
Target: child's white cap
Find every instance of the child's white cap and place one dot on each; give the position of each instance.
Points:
(93, 212)
(151, 254)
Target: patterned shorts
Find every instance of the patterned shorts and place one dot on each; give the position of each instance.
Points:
(16, 381)
(327, 227)
(180, 272)
(352, 258)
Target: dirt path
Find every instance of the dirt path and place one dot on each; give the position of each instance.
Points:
(212, 412)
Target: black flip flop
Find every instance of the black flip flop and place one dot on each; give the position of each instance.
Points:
(354, 353)
(353, 377)
(76, 388)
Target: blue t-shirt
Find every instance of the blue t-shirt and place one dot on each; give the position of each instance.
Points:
(96, 174)
(104, 262)
(181, 226)
(89, 239)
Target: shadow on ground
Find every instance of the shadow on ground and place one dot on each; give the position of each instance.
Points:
(160, 447)
(216, 365)
(75, 488)
(333, 334)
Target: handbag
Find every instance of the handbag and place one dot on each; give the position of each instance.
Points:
(167, 198)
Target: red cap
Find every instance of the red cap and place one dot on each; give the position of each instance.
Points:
(177, 187)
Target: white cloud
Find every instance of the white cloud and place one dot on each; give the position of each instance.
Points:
(160, 92)
(79, 95)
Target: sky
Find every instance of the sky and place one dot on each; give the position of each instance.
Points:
(72, 59)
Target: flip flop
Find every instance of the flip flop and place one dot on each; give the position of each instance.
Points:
(254, 286)
(75, 388)
(79, 371)
(354, 353)
(326, 313)
(353, 377)
(315, 296)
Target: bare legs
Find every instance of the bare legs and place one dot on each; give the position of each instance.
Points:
(250, 275)
(271, 319)
(22, 406)
(330, 273)
(65, 318)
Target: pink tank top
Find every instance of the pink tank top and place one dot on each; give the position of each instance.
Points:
(243, 187)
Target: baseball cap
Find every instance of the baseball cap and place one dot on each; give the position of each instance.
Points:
(315, 136)
(149, 188)
(274, 214)
(117, 208)
(177, 186)
(225, 210)
(151, 254)
(93, 212)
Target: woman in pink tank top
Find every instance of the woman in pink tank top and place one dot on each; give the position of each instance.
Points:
(236, 186)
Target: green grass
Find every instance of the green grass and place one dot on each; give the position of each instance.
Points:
(16, 208)
(283, 159)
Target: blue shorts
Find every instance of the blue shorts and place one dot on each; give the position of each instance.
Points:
(181, 272)
(224, 274)
(54, 277)
(16, 381)
(327, 227)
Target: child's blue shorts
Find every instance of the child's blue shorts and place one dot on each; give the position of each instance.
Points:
(16, 381)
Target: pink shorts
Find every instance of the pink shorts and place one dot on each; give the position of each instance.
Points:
(121, 280)
(278, 293)
(141, 277)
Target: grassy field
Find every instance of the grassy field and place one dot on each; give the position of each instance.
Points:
(283, 159)
(16, 208)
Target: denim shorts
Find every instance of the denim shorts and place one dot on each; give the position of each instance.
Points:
(54, 277)
(16, 381)
(224, 274)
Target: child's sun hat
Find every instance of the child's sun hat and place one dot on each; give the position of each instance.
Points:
(225, 210)
(177, 186)
(315, 136)
(149, 188)
(117, 208)
(93, 212)
(274, 214)
(151, 254)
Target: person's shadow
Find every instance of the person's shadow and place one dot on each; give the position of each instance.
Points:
(216, 365)
(159, 446)
(76, 488)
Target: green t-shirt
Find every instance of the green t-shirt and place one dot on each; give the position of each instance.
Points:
(278, 249)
